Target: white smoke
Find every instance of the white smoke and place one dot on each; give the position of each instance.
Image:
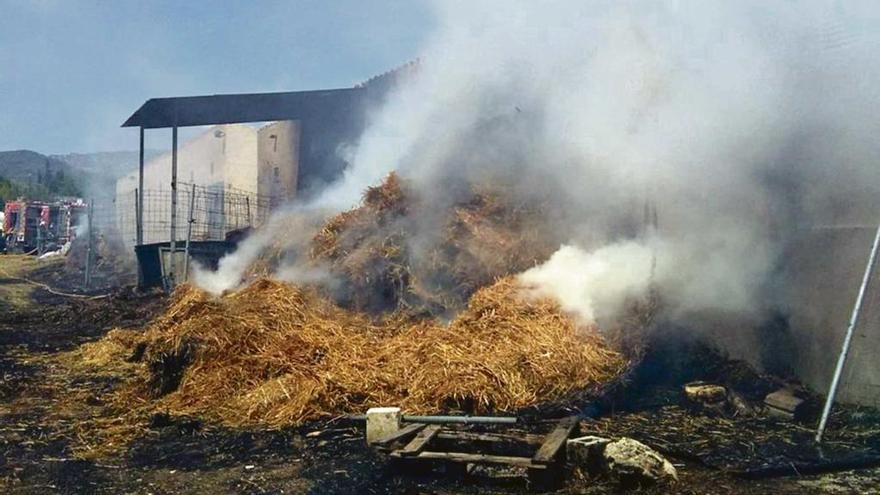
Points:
(724, 116)
(593, 285)
(232, 267)
(735, 121)
(289, 229)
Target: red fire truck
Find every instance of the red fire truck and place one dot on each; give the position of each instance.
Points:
(35, 226)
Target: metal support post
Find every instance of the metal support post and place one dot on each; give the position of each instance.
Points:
(139, 194)
(189, 232)
(172, 272)
(91, 244)
(847, 340)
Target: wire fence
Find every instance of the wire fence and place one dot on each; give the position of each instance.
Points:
(216, 211)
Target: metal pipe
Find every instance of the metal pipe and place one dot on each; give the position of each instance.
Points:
(90, 246)
(189, 233)
(468, 420)
(40, 235)
(172, 259)
(139, 197)
(137, 213)
(847, 341)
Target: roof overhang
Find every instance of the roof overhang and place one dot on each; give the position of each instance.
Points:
(240, 108)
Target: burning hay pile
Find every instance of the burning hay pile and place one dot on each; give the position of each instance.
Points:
(434, 322)
(373, 250)
(276, 354)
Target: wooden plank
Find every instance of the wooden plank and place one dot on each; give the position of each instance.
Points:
(555, 440)
(491, 437)
(401, 434)
(420, 441)
(481, 459)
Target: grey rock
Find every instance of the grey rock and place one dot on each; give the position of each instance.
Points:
(631, 462)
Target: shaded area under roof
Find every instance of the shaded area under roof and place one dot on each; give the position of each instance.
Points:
(240, 108)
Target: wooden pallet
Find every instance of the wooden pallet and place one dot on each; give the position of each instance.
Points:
(419, 442)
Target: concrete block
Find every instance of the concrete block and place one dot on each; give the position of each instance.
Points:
(586, 453)
(785, 404)
(381, 422)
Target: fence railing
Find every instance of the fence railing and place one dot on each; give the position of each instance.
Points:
(217, 210)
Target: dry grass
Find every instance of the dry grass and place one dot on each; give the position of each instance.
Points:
(95, 424)
(274, 354)
(15, 290)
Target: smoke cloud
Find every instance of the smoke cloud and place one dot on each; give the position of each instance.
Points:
(594, 285)
(287, 233)
(232, 267)
(736, 122)
(681, 142)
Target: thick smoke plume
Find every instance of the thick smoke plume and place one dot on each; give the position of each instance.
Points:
(726, 118)
(681, 142)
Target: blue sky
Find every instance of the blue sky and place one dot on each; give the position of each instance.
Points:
(71, 71)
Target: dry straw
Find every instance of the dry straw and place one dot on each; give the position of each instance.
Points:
(487, 235)
(274, 354)
(278, 355)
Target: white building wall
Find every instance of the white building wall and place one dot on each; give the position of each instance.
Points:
(223, 157)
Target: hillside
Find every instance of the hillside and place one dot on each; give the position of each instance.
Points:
(26, 173)
(31, 174)
(30, 167)
(111, 164)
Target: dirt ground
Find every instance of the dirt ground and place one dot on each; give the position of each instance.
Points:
(45, 448)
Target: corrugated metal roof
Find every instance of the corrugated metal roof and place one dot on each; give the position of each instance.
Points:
(240, 108)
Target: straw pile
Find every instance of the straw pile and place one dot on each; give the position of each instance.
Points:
(276, 354)
(486, 236)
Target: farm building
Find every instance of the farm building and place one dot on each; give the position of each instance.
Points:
(263, 150)
(230, 176)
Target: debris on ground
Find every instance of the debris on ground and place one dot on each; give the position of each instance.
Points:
(632, 463)
(586, 453)
(627, 462)
(113, 263)
(50, 401)
(750, 447)
(711, 398)
(705, 393)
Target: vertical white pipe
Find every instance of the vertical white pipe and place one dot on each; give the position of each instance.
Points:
(847, 340)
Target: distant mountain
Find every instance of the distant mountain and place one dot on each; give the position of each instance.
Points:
(35, 176)
(26, 173)
(108, 164)
(29, 167)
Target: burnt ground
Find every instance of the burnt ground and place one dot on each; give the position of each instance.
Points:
(41, 444)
